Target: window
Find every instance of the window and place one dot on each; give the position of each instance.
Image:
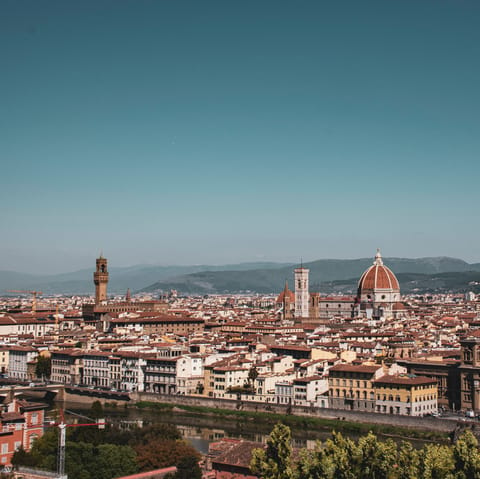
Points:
(5, 448)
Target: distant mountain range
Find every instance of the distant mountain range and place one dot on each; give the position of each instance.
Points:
(326, 275)
(121, 278)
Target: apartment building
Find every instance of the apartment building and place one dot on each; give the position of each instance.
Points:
(406, 394)
(21, 425)
(351, 386)
(67, 366)
(132, 371)
(96, 369)
(160, 375)
(190, 375)
(18, 359)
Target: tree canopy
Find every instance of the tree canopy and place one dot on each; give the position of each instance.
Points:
(113, 452)
(43, 367)
(367, 458)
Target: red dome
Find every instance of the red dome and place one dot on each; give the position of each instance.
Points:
(378, 276)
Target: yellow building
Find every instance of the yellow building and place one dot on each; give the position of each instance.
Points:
(351, 386)
(407, 395)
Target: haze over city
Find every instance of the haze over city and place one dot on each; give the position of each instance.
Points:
(220, 132)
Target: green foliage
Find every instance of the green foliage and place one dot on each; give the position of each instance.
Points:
(43, 368)
(96, 410)
(407, 461)
(375, 458)
(103, 454)
(114, 461)
(252, 375)
(337, 458)
(466, 457)
(188, 468)
(369, 458)
(436, 462)
(274, 461)
(21, 457)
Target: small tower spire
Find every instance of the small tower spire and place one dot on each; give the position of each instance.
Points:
(128, 296)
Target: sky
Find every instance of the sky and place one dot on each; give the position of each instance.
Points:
(213, 132)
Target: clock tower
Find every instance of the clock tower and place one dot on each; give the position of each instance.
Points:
(100, 278)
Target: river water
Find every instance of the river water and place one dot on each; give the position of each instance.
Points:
(200, 431)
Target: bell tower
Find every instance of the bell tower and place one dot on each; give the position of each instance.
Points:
(100, 278)
(302, 295)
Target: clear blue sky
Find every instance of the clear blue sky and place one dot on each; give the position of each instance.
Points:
(175, 132)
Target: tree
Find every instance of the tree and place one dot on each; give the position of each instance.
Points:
(274, 462)
(43, 368)
(160, 453)
(252, 376)
(96, 410)
(337, 459)
(407, 461)
(314, 464)
(188, 468)
(22, 458)
(376, 459)
(436, 462)
(466, 457)
(114, 461)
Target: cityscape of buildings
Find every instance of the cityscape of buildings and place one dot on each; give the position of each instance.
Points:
(185, 137)
(377, 351)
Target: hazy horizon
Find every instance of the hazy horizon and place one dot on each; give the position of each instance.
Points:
(221, 132)
(91, 266)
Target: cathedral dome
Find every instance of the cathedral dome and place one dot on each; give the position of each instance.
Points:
(378, 277)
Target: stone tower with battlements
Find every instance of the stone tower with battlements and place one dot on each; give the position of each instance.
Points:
(100, 278)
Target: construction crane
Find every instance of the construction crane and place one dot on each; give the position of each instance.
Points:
(34, 297)
(62, 426)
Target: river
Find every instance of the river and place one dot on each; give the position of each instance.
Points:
(200, 431)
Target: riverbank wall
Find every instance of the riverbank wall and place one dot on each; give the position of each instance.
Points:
(437, 424)
(424, 423)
